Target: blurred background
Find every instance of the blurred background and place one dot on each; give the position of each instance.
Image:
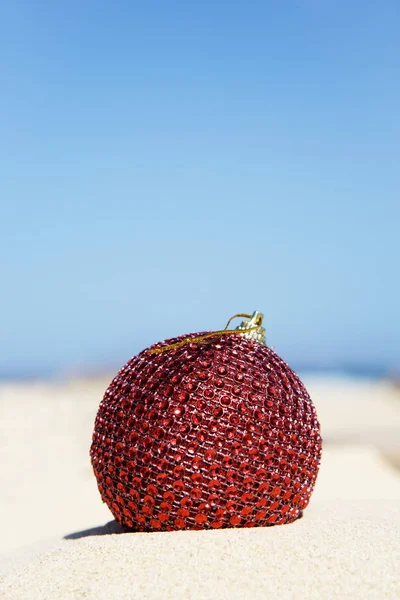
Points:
(165, 165)
(168, 164)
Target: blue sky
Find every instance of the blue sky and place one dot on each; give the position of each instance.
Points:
(165, 165)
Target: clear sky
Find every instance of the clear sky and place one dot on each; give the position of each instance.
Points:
(164, 165)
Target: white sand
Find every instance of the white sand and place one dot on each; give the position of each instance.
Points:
(351, 411)
(346, 546)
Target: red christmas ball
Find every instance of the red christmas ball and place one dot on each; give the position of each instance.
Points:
(206, 434)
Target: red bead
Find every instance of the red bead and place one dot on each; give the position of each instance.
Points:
(201, 518)
(212, 435)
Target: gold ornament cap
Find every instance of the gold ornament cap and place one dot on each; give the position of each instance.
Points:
(253, 323)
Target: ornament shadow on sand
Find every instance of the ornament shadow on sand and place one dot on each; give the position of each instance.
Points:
(206, 431)
(110, 528)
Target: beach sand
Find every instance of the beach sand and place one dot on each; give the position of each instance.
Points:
(347, 545)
